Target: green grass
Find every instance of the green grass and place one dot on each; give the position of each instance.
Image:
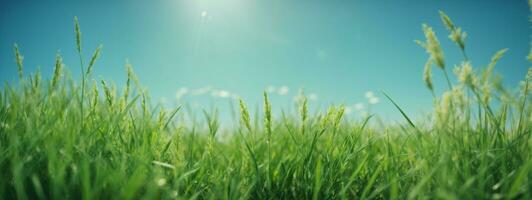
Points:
(62, 139)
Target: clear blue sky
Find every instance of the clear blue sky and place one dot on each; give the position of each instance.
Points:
(334, 49)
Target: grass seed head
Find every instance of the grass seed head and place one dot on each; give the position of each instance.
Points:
(328, 117)
(94, 57)
(446, 21)
(108, 93)
(494, 59)
(432, 45)
(466, 75)
(95, 95)
(57, 70)
(130, 75)
(161, 118)
(37, 78)
(459, 96)
(427, 75)
(443, 107)
(303, 109)
(325, 119)
(77, 30)
(338, 116)
(458, 36)
(244, 115)
(20, 60)
(456, 33)
(267, 114)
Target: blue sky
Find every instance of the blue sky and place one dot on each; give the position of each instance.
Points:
(336, 50)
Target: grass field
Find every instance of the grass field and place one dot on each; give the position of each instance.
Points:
(68, 138)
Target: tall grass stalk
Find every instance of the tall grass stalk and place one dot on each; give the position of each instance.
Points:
(77, 31)
(268, 127)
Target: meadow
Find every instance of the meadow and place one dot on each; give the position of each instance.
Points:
(66, 138)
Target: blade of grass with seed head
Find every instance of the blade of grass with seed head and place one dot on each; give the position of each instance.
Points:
(244, 115)
(268, 126)
(427, 76)
(57, 70)
(94, 57)
(303, 111)
(77, 31)
(267, 114)
(433, 48)
(130, 75)
(19, 59)
(456, 34)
